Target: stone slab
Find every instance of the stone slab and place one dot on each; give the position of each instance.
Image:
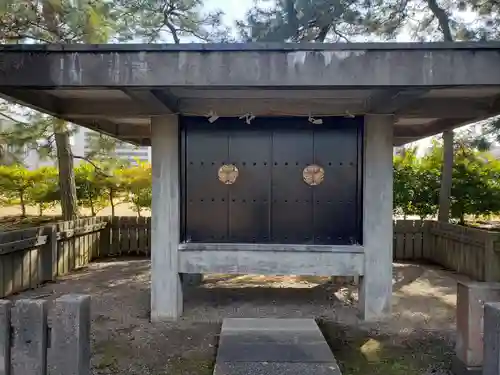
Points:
(269, 324)
(272, 340)
(271, 337)
(272, 352)
(263, 368)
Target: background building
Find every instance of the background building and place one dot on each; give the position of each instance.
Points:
(125, 151)
(81, 145)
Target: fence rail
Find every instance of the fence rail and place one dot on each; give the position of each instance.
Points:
(33, 256)
(470, 251)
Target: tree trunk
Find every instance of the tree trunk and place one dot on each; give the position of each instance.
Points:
(23, 204)
(40, 209)
(447, 170)
(446, 177)
(443, 19)
(112, 202)
(66, 172)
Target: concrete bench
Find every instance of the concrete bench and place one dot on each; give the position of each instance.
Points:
(273, 346)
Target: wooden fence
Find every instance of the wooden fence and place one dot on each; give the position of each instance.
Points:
(33, 256)
(130, 236)
(30, 257)
(409, 239)
(469, 251)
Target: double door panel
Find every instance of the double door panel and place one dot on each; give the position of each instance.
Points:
(269, 201)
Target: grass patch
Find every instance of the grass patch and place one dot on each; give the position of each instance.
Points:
(108, 355)
(191, 366)
(361, 352)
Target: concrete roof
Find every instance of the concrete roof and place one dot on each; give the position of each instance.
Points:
(115, 89)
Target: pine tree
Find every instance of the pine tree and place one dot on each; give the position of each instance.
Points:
(343, 20)
(57, 21)
(167, 21)
(97, 21)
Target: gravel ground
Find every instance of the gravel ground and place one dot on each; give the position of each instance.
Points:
(418, 339)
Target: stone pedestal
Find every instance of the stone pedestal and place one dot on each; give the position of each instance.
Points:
(471, 297)
(491, 358)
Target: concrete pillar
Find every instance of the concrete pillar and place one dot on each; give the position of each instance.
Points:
(491, 346)
(166, 290)
(376, 284)
(471, 297)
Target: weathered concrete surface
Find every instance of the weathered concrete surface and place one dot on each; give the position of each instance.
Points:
(376, 285)
(430, 87)
(491, 359)
(69, 353)
(273, 346)
(193, 246)
(29, 322)
(166, 289)
(272, 263)
(269, 324)
(5, 338)
(275, 368)
(471, 297)
(348, 66)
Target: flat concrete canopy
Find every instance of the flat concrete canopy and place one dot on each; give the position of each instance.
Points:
(116, 89)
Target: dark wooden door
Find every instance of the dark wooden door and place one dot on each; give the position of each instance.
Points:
(292, 209)
(269, 201)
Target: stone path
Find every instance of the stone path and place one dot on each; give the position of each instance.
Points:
(273, 346)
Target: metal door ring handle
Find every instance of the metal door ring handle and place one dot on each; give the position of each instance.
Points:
(228, 173)
(313, 175)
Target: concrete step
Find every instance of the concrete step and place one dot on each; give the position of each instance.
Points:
(273, 346)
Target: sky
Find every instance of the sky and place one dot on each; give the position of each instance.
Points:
(233, 9)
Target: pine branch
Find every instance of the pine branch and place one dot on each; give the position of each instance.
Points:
(12, 119)
(96, 167)
(339, 34)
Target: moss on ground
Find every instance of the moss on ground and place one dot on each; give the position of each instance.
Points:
(190, 366)
(107, 356)
(361, 352)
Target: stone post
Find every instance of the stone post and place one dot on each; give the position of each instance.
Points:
(70, 336)
(491, 340)
(471, 297)
(5, 338)
(29, 322)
